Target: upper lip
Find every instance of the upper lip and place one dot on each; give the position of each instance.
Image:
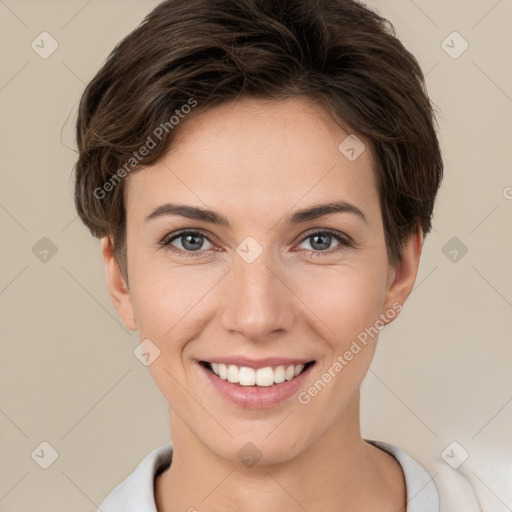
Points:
(258, 363)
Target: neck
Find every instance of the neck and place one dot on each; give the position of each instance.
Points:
(339, 472)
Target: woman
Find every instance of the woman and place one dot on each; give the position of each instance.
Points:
(262, 175)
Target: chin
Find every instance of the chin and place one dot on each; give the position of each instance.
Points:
(258, 449)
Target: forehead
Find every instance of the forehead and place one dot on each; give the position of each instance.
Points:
(257, 155)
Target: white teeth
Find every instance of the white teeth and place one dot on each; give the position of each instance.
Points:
(247, 376)
(233, 373)
(266, 376)
(279, 374)
(298, 369)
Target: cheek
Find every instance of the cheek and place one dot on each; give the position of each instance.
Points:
(169, 301)
(345, 306)
(345, 299)
(169, 305)
(173, 300)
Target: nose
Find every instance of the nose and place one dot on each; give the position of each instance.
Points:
(256, 302)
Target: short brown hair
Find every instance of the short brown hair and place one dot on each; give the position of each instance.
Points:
(339, 53)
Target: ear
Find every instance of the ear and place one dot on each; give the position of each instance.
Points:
(401, 278)
(119, 292)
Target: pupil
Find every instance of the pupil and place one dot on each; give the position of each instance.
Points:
(325, 245)
(193, 247)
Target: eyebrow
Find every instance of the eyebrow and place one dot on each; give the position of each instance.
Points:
(304, 215)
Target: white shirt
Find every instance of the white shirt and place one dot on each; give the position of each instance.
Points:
(136, 492)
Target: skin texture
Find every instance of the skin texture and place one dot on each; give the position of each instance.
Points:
(255, 162)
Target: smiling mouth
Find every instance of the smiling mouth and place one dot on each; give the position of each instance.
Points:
(261, 377)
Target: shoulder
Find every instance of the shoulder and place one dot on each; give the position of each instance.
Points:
(478, 481)
(135, 493)
(422, 493)
(432, 485)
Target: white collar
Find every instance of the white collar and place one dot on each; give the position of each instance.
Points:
(136, 492)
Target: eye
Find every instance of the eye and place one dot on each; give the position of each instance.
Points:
(188, 243)
(321, 241)
(191, 242)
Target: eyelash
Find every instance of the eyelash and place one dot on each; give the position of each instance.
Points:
(344, 242)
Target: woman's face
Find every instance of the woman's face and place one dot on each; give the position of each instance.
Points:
(265, 288)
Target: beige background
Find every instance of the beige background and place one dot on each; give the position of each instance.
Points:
(442, 372)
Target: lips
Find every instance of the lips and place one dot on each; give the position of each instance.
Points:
(257, 385)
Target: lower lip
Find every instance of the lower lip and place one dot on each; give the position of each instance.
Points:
(256, 397)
